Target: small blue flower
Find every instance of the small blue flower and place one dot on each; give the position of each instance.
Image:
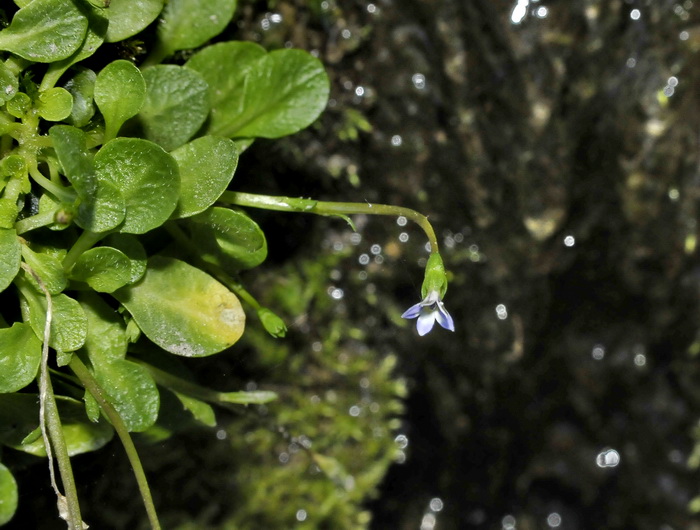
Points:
(428, 311)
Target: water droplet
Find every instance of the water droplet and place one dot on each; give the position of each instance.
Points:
(379, 260)
(275, 18)
(301, 515)
(508, 522)
(542, 12)
(363, 259)
(669, 91)
(403, 237)
(400, 457)
(631, 62)
(355, 238)
(283, 458)
(221, 434)
(672, 81)
(635, 14)
(401, 220)
(402, 441)
(519, 11)
(501, 312)
(554, 520)
(346, 33)
(569, 241)
(336, 293)
(360, 91)
(684, 35)
(396, 140)
(375, 249)
(364, 382)
(640, 359)
(598, 352)
(338, 246)
(418, 81)
(436, 504)
(316, 346)
(428, 522)
(608, 458)
(354, 411)
(371, 8)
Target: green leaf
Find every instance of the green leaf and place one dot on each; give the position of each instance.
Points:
(45, 31)
(190, 23)
(11, 252)
(102, 205)
(8, 83)
(119, 93)
(82, 87)
(147, 177)
(19, 417)
(47, 267)
(129, 17)
(106, 331)
(105, 269)
(55, 104)
(256, 397)
(176, 105)
(228, 238)
(183, 310)
(130, 389)
(134, 250)
(20, 355)
(68, 325)
(207, 166)
(8, 216)
(201, 411)
(266, 95)
(8, 495)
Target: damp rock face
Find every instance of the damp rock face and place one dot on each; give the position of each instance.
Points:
(555, 144)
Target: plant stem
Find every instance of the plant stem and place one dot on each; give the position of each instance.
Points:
(91, 384)
(50, 423)
(35, 221)
(61, 193)
(288, 204)
(85, 241)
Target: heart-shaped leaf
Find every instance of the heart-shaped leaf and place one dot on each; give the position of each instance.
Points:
(105, 269)
(119, 93)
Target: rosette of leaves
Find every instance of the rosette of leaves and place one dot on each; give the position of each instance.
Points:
(111, 238)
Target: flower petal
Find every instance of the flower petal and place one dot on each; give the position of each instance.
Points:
(444, 318)
(412, 312)
(426, 321)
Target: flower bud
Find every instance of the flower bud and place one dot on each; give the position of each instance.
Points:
(273, 324)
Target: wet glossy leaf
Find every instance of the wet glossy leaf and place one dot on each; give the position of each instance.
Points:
(102, 204)
(134, 250)
(55, 104)
(68, 325)
(228, 238)
(8, 495)
(130, 389)
(183, 310)
(11, 252)
(207, 166)
(47, 267)
(147, 178)
(266, 95)
(8, 84)
(128, 17)
(8, 213)
(105, 269)
(106, 331)
(82, 87)
(176, 105)
(19, 417)
(119, 93)
(190, 23)
(20, 355)
(45, 31)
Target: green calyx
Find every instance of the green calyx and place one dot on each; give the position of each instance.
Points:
(435, 276)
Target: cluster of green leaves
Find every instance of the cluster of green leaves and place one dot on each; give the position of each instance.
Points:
(111, 234)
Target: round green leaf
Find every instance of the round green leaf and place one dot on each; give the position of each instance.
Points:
(190, 23)
(207, 166)
(82, 87)
(8, 495)
(11, 252)
(68, 325)
(266, 95)
(228, 238)
(55, 104)
(131, 390)
(183, 310)
(134, 250)
(176, 105)
(129, 17)
(119, 93)
(106, 337)
(20, 355)
(147, 178)
(8, 84)
(45, 31)
(105, 269)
